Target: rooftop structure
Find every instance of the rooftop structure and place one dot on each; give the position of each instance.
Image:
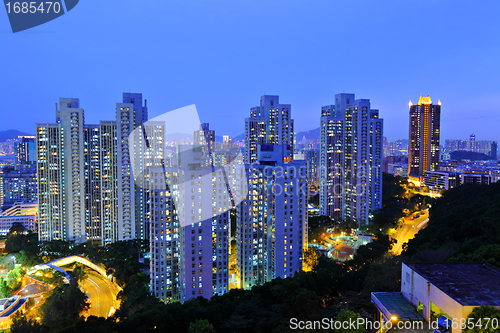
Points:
(468, 284)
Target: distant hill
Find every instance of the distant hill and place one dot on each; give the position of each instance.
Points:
(309, 135)
(240, 137)
(11, 134)
(178, 137)
(460, 155)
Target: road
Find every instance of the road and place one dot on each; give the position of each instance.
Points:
(408, 231)
(101, 296)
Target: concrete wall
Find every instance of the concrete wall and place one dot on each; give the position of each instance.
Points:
(416, 288)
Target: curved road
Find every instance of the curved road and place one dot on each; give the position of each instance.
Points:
(408, 231)
(101, 296)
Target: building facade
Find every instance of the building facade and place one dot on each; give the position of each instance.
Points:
(270, 123)
(444, 180)
(24, 213)
(312, 158)
(17, 186)
(271, 221)
(25, 150)
(190, 229)
(85, 183)
(351, 153)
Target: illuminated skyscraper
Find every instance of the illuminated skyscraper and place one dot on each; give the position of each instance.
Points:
(270, 123)
(424, 137)
(86, 188)
(189, 236)
(350, 159)
(271, 222)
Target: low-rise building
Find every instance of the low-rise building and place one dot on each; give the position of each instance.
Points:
(436, 290)
(444, 180)
(23, 213)
(398, 169)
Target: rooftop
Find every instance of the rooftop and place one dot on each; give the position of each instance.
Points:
(394, 304)
(424, 100)
(468, 284)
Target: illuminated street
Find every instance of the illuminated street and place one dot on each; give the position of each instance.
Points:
(408, 231)
(100, 294)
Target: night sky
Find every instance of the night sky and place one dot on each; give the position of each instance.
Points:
(223, 55)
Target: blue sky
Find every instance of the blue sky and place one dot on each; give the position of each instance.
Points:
(223, 55)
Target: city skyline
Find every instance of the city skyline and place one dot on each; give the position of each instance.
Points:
(386, 59)
(240, 166)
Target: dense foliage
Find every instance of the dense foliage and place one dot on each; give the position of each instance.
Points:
(464, 226)
(398, 200)
(63, 307)
(324, 292)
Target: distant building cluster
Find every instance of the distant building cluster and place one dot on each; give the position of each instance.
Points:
(484, 149)
(395, 148)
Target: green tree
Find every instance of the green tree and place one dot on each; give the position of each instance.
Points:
(201, 326)
(63, 307)
(27, 258)
(483, 315)
(135, 295)
(17, 242)
(57, 248)
(16, 228)
(5, 289)
(79, 273)
(488, 253)
(347, 316)
(384, 274)
(23, 324)
(310, 259)
(13, 276)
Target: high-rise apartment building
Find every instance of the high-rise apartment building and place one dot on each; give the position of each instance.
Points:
(17, 186)
(205, 136)
(472, 143)
(86, 187)
(351, 147)
(483, 147)
(271, 222)
(312, 158)
(270, 123)
(190, 228)
(25, 150)
(424, 137)
(494, 150)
